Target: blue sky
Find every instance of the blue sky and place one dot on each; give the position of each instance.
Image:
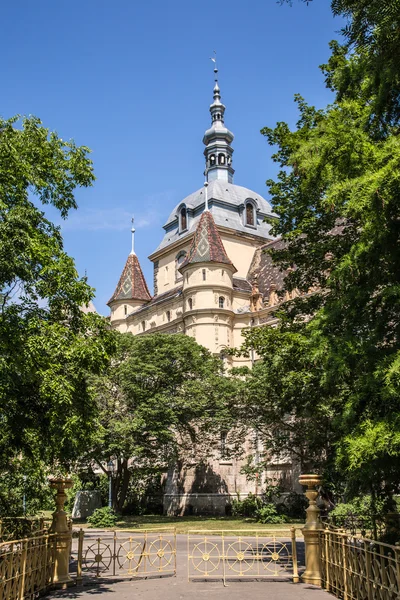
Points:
(133, 81)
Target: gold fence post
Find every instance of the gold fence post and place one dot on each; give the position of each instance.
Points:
(344, 561)
(294, 556)
(327, 557)
(368, 568)
(63, 533)
(21, 582)
(311, 531)
(80, 557)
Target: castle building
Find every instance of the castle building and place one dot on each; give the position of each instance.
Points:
(211, 281)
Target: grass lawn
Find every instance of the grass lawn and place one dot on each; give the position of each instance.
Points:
(183, 524)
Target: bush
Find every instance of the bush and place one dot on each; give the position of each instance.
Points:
(268, 514)
(103, 518)
(293, 506)
(247, 507)
(361, 513)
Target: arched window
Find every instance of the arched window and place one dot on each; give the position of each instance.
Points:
(204, 275)
(180, 257)
(190, 303)
(221, 159)
(143, 326)
(221, 302)
(183, 219)
(250, 220)
(212, 160)
(168, 315)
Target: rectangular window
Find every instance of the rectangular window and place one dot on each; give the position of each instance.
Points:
(224, 435)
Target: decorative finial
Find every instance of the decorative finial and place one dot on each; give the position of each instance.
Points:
(133, 236)
(214, 59)
(206, 191)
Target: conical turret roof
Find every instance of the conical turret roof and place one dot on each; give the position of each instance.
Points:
(132, 284)
(207, 245)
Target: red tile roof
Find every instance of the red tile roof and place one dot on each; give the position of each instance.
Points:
(207, 245)
(132, 284)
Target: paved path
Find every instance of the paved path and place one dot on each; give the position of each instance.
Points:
(178, 588)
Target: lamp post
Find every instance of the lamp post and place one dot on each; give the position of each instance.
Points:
(24, 496)
(110, 469)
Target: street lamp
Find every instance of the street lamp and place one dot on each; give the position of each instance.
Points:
(110, 469)
(24, 496)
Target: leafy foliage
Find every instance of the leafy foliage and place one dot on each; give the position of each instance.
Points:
(330, 371)
(103, 518)
(269, 514)
(47, 344)
(247, 507)
(163, 398)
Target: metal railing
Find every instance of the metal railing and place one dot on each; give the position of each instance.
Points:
(126, 553)
(356, 568)
(15, 528)
(27, 566)
(242, 554)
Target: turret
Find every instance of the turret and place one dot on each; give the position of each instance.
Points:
(131, 291)
(208, 287)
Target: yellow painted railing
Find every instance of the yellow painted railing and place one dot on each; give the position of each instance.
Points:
(242, 554)
(356, 568)
(26, 566)
(15, 528)
(138, 553)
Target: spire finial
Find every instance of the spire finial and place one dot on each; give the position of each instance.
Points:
(214, 59)
(133, 236)
(206, 192)
(217, 95)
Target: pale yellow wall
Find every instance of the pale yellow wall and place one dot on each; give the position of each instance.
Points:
(167, 277)
(240, 251)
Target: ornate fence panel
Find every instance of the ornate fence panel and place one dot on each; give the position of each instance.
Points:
(26, 566)
(126, 553)
(16, 528)
(242, 555)
(355, 568)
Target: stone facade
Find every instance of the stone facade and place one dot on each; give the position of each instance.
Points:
(212, 279)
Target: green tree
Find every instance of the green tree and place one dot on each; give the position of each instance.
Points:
(47, 344)
(337, 195)
(163, 399)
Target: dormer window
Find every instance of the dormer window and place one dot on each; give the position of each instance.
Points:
(250, 217)
(183, 219)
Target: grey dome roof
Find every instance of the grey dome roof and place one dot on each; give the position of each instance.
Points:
(226, 202)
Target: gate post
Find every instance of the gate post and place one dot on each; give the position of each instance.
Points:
(60, 527)
(311, 531)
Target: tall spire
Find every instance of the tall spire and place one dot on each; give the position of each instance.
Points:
(133, 236)
(218, 138)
